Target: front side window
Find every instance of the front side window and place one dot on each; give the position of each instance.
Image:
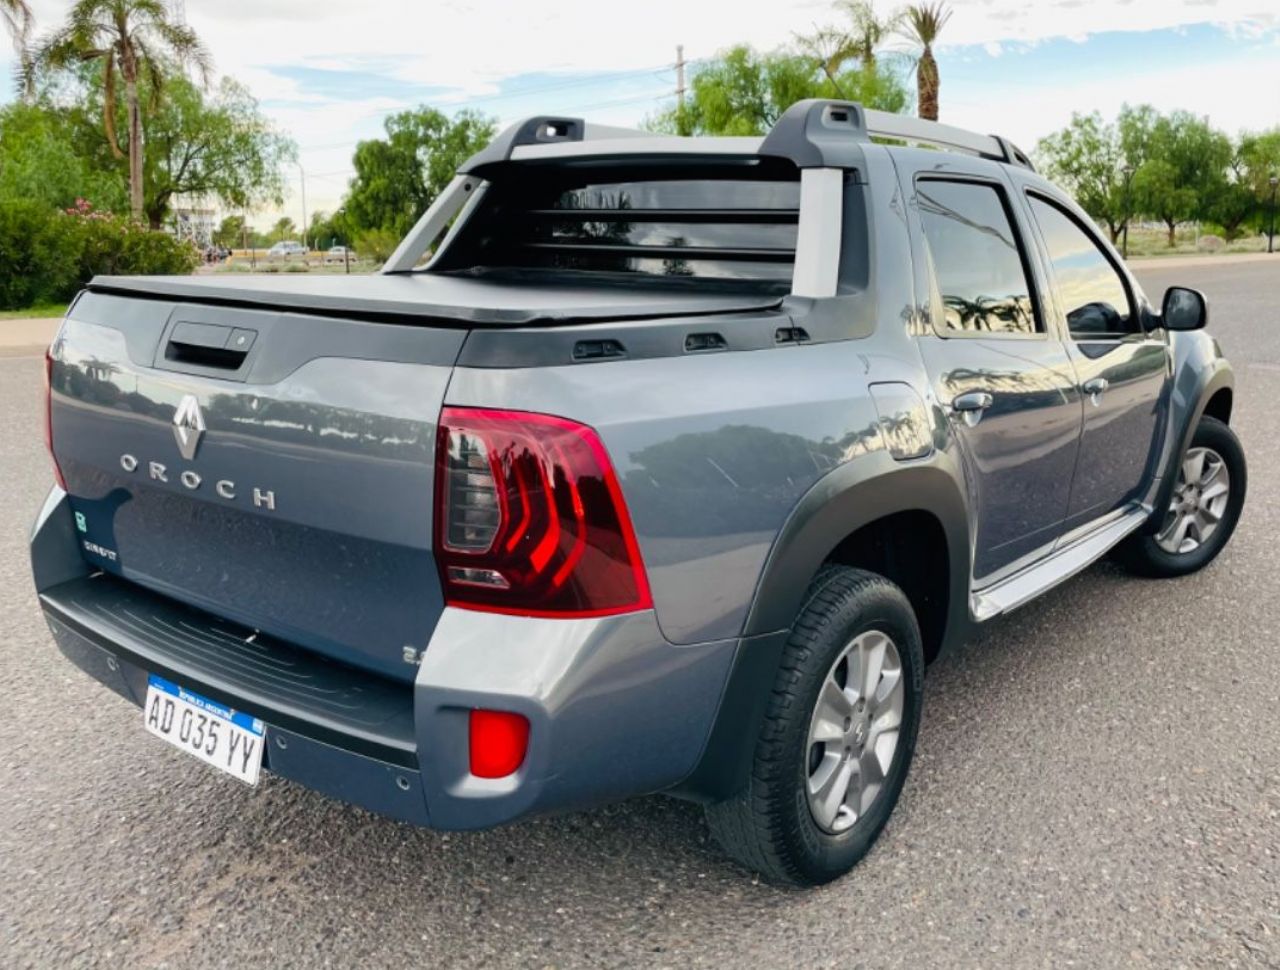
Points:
(979, 268)
(1093, 295)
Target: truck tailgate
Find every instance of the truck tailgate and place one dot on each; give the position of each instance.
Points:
(271, 467)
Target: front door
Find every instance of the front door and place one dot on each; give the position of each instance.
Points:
(1003, 373)
(1123, 370)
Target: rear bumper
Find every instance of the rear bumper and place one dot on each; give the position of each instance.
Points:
(615, 710)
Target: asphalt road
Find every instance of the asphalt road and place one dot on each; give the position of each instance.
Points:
(1097, 784)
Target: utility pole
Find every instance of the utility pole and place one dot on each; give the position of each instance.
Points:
(1128, 178)
(682, 124)
(303, 173)
(1271, 236)
(680, 76)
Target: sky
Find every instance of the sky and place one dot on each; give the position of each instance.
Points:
(328, 72)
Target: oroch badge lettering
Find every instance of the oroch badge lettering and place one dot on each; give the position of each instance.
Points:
(188, 426)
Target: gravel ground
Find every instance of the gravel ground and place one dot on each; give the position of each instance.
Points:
(1096, 785)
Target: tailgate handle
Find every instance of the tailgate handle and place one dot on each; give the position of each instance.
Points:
(209, 345)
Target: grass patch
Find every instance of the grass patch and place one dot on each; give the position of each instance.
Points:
(1147, 241)
(35, 312)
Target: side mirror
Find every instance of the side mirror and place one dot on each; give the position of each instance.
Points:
(1184, 309)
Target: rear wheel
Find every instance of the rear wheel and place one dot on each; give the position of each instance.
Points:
(838, 735)
(1203, 508)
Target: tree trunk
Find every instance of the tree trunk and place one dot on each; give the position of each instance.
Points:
(927, 85)
(135, 150)
(1172, 225)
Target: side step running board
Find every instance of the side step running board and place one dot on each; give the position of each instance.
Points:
(1064, 563)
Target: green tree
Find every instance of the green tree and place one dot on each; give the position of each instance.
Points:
(1135, 127)
(130, 40)
(743, 92)
(41, 160)
(399, 176)
(1159, 193)
(283, 229)
(377, 244)
(1260, 155)
(1234, 200)
(921, 24)
(231, 232)
(1184, 170)
(216, 146)
(330, 230)
(1086, 157)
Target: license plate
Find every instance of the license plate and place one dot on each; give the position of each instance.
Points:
(231, 741)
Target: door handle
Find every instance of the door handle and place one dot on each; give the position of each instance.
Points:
(972, 405)
(1094, 388)
(972, 401)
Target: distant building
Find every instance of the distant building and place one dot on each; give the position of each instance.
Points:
(196, 224)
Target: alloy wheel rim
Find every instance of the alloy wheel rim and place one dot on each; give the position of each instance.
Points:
(853, 733)
(1198, 504)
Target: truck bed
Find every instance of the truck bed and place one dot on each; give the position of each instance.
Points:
(514, 300)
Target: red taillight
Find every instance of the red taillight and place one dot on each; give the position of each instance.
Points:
(48, 418)
(530, 518)
(499, 740)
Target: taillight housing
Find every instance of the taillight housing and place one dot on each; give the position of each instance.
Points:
(530, 519)
(48, 417)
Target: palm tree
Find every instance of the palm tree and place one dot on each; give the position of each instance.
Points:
(132, 40)
(922, 23)
(18, 20)
(829, 48)
(867, 31)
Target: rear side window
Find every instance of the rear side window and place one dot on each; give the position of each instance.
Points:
(980, 270)
(735, 223)
(1093, 295)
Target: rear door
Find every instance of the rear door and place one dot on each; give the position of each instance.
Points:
(1123, 370)
(271, 467)
(997, 362)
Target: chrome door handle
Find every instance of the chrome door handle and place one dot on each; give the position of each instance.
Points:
(972, 401)
(972, 405)
(1094, 388)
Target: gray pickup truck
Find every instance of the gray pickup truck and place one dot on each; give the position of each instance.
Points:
(646, 464)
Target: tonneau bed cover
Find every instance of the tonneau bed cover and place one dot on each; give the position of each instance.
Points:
(469, 300)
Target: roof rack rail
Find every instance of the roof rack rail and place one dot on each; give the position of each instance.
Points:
(809, 131)
(544, 130)
(815, 133)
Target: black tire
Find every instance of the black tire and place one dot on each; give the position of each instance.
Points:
(1142, 554)
(768, 826)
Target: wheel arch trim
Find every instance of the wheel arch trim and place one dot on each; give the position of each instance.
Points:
(1196, 383)
(847, 499)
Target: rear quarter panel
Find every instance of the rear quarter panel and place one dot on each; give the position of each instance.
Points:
(715, 450)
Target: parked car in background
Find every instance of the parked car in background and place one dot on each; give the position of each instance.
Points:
(287, 249)
(340, 254)
(670, 470)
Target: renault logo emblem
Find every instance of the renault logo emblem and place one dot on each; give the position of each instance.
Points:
(188, 426)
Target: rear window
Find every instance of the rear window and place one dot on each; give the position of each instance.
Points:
(731, 223)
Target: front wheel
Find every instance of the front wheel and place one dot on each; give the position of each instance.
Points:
(832, 755)
(1203, 508)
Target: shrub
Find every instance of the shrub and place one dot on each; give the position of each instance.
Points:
(46, 255)
(377, 244)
